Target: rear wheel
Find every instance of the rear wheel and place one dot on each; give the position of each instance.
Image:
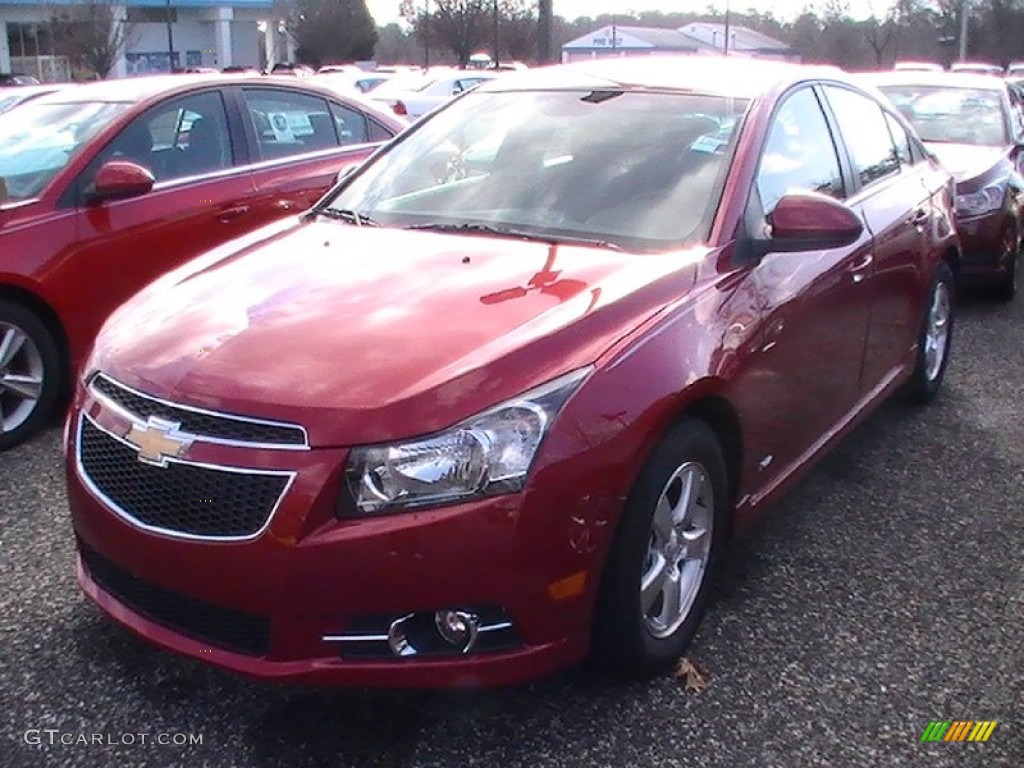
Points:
(935, 338)
(659, 571)
(29, 374)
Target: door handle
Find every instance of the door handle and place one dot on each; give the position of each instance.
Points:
(859, 269)
(227, 215)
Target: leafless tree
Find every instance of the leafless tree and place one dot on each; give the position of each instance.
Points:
(90, 34)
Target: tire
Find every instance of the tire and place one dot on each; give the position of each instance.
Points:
(638, 637)
(30, 374)
(935, 339)
(1006, 288)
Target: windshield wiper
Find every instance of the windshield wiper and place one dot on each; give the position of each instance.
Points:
(489, 229)
(349, 216)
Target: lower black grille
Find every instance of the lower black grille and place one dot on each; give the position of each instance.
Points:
(178, 498)
(220, 627)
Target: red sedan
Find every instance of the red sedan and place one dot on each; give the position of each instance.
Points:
(104, 187)
(501, 398)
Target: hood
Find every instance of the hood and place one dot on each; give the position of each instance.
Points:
(966, 161)
(364, 334)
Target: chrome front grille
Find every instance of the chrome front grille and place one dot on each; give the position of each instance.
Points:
(213, 427)
(181, 498)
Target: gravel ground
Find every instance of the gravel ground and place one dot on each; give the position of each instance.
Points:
(886, 591)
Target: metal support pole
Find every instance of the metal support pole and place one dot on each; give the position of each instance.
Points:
(965, 10)
(170, 39)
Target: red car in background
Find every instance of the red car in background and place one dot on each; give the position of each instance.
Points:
(500, 398)
(105, 186)
(970, 122)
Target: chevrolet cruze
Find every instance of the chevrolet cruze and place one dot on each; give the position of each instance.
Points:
(498, 402)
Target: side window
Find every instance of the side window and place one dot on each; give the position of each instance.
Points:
(864, 130)
(901, 139)
(799, 154)
(288, 123)
(180, 138)
(351, 125)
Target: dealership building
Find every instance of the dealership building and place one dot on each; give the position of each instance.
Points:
(191, 33)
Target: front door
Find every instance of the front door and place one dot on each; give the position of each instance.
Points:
(803, 377)
(201, 199)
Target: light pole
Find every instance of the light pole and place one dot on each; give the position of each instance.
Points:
(495, 33)
(170, 39)
(725, 45)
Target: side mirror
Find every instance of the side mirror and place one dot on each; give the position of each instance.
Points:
(121, 179)
(345, 172)
(807, 221)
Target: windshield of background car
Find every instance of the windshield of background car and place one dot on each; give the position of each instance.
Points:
(638, 170)
(38, 140)
(960, 115)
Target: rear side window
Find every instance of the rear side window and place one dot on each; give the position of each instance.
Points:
(864, 129)
(378, 132)
(288, 123)
(901, 139)
(350, 124)
(799, 154)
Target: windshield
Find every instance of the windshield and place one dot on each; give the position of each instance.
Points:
(641, 171)
(38, 140)
(960, 115)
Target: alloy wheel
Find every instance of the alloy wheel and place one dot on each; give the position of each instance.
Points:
(678, 549)
(936, 337)
(21, 376)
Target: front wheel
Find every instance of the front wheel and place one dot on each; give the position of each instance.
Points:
(29, 374)
(662, 562)
(935, 338)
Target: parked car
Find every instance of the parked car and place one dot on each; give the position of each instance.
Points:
(12, 97)
(431, 91)
(975, 67)
(970, 123)
(105, 186)
(917, 66)
(17, 79)
(464, 425)
(354, 83)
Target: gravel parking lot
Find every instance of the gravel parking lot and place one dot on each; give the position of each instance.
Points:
(885, 592)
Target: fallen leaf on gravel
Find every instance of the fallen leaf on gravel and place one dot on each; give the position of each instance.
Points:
(695, 675)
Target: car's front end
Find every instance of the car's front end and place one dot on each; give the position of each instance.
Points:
(381, 448)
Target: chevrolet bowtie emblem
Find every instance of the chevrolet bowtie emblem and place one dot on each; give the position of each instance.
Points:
(158, 440)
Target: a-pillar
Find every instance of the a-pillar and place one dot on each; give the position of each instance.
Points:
(222, 35)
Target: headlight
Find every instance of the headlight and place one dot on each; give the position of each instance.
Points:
(984, 200)
(485, 455)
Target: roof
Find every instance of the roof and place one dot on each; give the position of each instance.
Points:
(725, 76)
(740, 38)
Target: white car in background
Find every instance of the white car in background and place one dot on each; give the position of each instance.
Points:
(352, 82)
(412, 97)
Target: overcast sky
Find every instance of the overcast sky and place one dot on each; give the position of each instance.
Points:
(385, 11)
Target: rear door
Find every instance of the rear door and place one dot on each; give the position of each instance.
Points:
(897, 209)
(299, 141)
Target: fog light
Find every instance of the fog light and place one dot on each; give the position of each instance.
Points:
(457, 628)
(398, 638)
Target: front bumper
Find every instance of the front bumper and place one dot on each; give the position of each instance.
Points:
(308, 577)
(981, 241)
